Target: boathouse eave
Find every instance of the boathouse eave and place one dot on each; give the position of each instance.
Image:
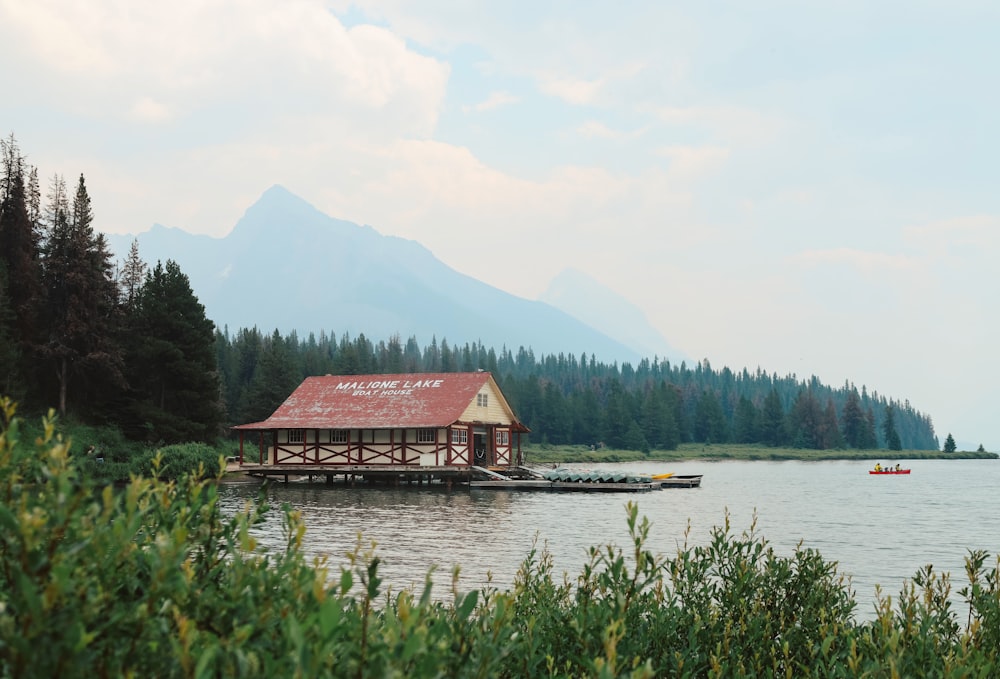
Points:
(515, 426)
(266, 425)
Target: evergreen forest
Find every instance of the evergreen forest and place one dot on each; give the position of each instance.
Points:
(128, 345)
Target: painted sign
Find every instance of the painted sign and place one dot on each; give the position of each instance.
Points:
(387, 387)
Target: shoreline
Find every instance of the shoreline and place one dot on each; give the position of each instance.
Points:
(697, 452)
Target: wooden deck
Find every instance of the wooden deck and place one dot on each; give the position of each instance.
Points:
(497, 478)
(377, 474)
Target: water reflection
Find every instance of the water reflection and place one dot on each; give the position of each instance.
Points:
(878, 529)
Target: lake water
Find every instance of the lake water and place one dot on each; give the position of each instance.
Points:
(880, 529)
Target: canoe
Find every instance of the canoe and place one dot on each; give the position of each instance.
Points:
(681, 481)
(657, 477)
(889, 471)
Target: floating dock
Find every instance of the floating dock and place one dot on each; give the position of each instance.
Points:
(564, 480)
(574, 486)
(506, 478)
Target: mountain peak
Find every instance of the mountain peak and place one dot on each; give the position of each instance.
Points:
(278, 203)
(288, 266)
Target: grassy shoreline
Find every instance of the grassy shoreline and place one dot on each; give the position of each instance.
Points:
(547, 454)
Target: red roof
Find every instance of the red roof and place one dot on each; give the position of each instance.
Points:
(379, 401)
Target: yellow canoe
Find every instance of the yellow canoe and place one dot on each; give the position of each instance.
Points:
(657, 477)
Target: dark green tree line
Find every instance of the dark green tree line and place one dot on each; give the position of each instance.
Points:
(579, 400)
(129, 347)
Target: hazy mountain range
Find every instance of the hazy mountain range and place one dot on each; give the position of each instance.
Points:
(287, 266)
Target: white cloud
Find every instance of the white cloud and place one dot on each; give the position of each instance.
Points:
(495, 100)
(574, 91)
(148, 110)
(738, 124)
(593, 129)
(976, 232)
(63, 36)
(692, 162)
(191, 56)
(868, 262)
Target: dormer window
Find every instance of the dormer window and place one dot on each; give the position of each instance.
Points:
(482, 400)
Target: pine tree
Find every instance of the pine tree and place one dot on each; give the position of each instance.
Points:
(634, 439)
(555, 416)
(393, 363)
(892, 441)
(133, 273)
(346, 361)
(274, 379)
(853, 420)
(659, 423)
(240, 368)
(586, 413)
(21, 291)
(830, 436)
(80, 343)
(617, 416)
(869, 440)
(772, 421)
(805, 421)
(949, 444)
(746, 427)
(9, 353)
(412, 356)
(171, 359)
(709, 421)
(449, 362)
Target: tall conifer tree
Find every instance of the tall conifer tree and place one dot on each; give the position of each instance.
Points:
(869, 441)
(274, 379)
(772, 421)
(746, 428)
(853, 421)
(21, 291)
(892, 441)
(172, 361)
(80, 325)
(133, 273)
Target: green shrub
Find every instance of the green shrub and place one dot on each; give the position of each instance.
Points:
(153, 579)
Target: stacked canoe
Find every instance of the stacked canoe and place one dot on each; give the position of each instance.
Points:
(586, 476)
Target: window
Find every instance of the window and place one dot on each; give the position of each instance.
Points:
(296, 435)
(338, 436)
(503, 438)
(482, 400)
(425, 436)
(460, 436)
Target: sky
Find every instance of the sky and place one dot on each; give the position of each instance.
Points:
(805, 187)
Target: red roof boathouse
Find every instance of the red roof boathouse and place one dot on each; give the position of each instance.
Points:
(434, 425)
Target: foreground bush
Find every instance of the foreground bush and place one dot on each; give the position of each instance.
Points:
(154, 580)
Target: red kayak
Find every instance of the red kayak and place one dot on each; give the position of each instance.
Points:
(890, 471)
